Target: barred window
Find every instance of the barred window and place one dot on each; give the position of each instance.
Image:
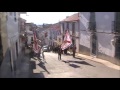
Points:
(67, 25)
(63, 27)
(15, 16)
(116, 26)
(73, 27)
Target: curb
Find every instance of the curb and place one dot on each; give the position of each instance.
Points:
(106, 63)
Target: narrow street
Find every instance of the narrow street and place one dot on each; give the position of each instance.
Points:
(68, 67)
(94, 37)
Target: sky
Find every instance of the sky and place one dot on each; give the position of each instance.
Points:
(45, 17)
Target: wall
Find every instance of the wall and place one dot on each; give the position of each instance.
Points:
(13, 33)
(77, 32)
(4, 35)
(104, 24)
(104, 21)
(84, 35)
(105, 50)
(10, 35)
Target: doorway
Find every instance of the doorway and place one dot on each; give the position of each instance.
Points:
(93, 44)
(17, 49)
(117, 47)
(1, 49)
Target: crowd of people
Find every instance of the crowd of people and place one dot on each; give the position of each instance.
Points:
(58, 50)
(55, 49)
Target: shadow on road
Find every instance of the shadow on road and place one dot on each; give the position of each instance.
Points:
(79, 58)
(32, 74)
(79, 62)
(42, 65)
(73, 65)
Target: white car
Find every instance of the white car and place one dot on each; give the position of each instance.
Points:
(45, 48)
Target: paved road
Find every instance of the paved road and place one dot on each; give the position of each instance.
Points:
(69, 67)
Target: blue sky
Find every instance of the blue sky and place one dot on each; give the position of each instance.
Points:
(46, 17)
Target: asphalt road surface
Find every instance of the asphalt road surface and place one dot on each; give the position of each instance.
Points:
(69, 67)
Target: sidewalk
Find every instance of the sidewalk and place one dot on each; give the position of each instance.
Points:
(106, 63)
(23, 66)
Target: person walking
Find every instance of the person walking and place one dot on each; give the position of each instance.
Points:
(74, 50)
(59, 52)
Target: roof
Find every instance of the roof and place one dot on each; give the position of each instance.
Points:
(74, 17)
(50, 27)
(21, 19)
(31, 24)
(55, 27)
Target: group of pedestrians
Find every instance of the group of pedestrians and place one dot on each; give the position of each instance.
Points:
(40, 54)
(60, 51)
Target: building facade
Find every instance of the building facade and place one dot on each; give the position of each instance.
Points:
(71, 23)
(22, 29)
(99, 35)
(29, 33)
(9, 27)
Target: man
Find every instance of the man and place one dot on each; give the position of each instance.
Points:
(74, 50)
(59, 52)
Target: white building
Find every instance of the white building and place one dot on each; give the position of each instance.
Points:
(29, 33)
(9, 41)
(71, 23)
(97, 30)
(13, 33)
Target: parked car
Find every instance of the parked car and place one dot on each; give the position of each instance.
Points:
(45, 48)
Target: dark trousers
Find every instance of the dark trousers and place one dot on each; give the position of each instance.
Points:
(59, 56)
(37, 55)
(65, 51)
(73, 53)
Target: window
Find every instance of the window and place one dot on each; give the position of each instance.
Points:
(67, 25)
(46, 34)
(116, 26)
(15, 19)
(73, 27)
(116, 23)
(1, 49)
(63, 27)
(15, 14)
(59, 40)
